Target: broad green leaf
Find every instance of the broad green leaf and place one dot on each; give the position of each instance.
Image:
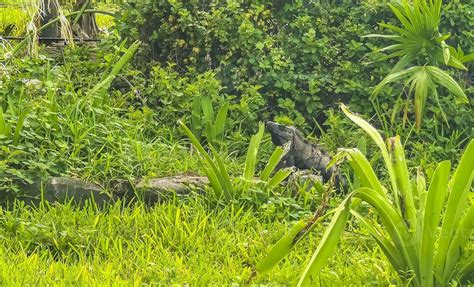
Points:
(394, 224)
(273, 161)
(208, 113)
(327, 244)
(196, 116)
(459, 241)
(377, 138)
(421, 84)
(460, 186)
(278, 177)
(403, 179)
(220, 119)
(431, 218)
(223, 175)
(19, 127)
(251, 159)
(213, 170)
(363, 170)
(3, 123)
(281, 248)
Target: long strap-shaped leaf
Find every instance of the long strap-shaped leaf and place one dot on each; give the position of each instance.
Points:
(328, 244)
(463, 233)
(395, 225)
(431, 218)
(214, 171)
(403, 180)
(460, 185)
(281, 248)
(385, 244)
(377, 138)
(251, 159)
(273, 161)
(363, 170)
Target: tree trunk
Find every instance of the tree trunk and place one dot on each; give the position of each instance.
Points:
(87, 23)
(50, 13)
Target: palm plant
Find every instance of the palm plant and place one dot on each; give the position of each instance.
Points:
(423, 233)
(421, 50)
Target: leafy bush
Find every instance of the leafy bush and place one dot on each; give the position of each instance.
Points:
(292, 61)
(298, 57)
(56, 118)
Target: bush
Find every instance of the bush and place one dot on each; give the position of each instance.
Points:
(301, 58)
(293, 61)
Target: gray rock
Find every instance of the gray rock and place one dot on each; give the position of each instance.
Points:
(155, 189)
(150, 191)
(64, 189)
(304, 179)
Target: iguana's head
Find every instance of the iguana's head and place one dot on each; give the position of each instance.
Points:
(282, 134)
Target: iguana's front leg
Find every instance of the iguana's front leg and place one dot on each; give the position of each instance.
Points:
(286, 161)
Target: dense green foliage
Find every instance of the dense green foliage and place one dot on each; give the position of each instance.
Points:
(292, 59)
(66, 131)
(120, 108)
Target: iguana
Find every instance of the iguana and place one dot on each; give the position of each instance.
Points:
(304, 155)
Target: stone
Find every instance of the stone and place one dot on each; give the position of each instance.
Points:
(156, 189)
(149, 191)
(305, 179)
(64, 189)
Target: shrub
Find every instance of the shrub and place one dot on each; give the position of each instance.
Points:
(299, 57)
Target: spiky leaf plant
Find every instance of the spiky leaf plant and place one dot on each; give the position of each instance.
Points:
(230, 188)
(422, 231)
(421, 50)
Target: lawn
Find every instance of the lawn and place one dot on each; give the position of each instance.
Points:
(179, 242)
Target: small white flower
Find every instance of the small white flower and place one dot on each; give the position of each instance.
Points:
(32, 83)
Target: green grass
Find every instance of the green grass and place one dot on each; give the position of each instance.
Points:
(188, 241)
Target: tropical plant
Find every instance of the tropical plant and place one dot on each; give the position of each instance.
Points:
(423, 233)
(203, 112)
(219, 177)
(422, 50)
